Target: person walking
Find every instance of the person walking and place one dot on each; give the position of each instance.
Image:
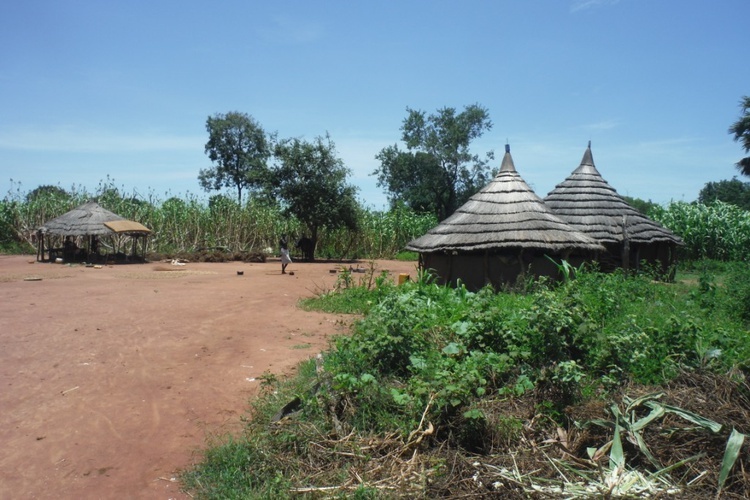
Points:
(285, 259)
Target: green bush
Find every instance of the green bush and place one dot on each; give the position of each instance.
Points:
(422, 344)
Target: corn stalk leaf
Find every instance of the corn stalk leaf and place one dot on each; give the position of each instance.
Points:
(734, 443)
(644, 449)
(634, 403)
(616, 455)
(657, 411)
(707, 423)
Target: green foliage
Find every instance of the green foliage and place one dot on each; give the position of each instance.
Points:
(239, 148)
(642, 206)
(737, 291)
(8, 223)
(381, 234)
(441, 348)
(187, 223)
(734, 192)
(351, 296)
(438, 173)
(254, 465)
(741, 131)
(311, 181)
(407, 256)
(718, 231)
(410, 178)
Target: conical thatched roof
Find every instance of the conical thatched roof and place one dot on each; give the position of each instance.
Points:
(87, 219)
(504, 214)
(588, 203)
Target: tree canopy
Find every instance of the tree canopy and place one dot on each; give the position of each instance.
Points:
(47, 191)
(641, 205)
(438, 172)
(734, 192)
(239, 148)
(310, 180)
(741, 131)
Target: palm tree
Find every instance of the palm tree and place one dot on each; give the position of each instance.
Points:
(741, 131)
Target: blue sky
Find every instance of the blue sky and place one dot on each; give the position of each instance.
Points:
(91, 89)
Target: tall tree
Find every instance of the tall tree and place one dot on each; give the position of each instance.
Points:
(412, 178)
(239, 148)
(310, 181)
(741, 131)
(641, 205)
(733, 191)
(438, 172)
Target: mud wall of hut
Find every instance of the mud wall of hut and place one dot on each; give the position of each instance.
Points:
(477, 270)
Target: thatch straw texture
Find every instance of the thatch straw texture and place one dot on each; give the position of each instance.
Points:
(588, 203)
(87, 219)
(505, 214)
(127, 227)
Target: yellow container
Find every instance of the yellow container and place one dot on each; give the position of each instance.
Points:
(403, 278)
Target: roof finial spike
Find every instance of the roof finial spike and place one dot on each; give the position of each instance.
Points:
(589, 143)
(507, 146)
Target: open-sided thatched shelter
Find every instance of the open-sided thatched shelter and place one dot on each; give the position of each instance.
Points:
(87, 222)
(589, 204)
(502, 232)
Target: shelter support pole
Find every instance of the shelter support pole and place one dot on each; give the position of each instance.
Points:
(487, 278)
(625, 245)
(39, 246)
(637, 257)
(449, 278)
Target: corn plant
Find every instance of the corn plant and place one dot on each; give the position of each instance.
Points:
(717, 231)
(188, 223)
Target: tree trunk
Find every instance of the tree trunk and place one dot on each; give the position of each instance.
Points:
(314, 238)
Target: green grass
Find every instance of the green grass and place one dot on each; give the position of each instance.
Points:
(407, 256)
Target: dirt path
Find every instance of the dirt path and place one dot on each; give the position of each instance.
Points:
(113, 378)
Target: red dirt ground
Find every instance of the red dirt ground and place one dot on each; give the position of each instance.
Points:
(114, 378)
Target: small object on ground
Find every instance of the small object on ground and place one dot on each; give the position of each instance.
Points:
(403, 278)
(240, 273)
(97, 267)
(333, 271)
(58, 260)
(291, 273)
(89, 265)
(32, 262)
(290, 408)
(32, 278)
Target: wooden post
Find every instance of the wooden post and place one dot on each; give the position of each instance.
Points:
(625, 245)
(487, 278)
(523, 267)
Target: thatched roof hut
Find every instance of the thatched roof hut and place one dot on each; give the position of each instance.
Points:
(85, 220)
(90, 221)
(589, 204)
(502, 232)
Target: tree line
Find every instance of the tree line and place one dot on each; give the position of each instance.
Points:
(435, 175)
